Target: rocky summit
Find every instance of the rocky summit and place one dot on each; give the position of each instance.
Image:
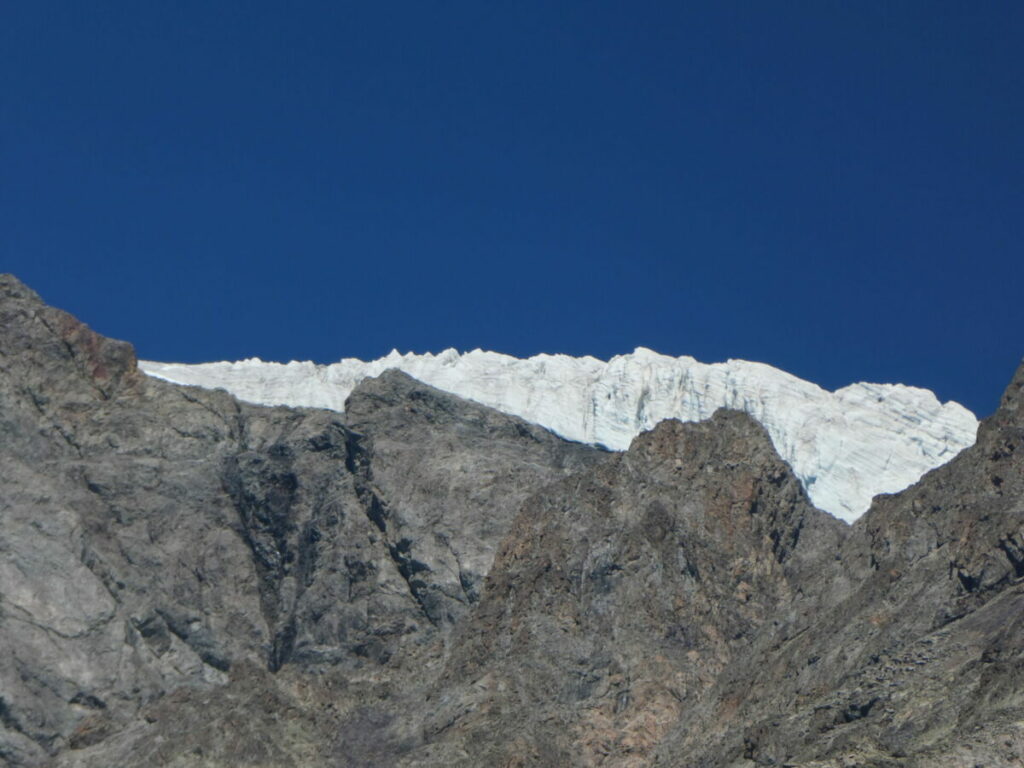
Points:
(191, 580)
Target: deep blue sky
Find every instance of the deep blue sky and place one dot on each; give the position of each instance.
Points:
(836, 189)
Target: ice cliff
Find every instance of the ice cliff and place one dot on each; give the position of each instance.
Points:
(845, 446)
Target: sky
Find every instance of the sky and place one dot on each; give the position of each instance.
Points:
(833, 188)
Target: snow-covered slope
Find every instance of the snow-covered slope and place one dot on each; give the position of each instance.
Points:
(845, 446)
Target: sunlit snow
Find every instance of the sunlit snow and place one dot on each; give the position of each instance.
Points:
(845, 446)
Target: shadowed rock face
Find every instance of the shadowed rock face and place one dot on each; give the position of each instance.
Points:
(621, 595)
(161, 545)
(684, 605)
(190, 581)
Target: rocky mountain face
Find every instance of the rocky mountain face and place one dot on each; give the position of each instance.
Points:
(684, 605)
(188, 580)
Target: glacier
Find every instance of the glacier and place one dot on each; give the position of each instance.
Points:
(845, 446)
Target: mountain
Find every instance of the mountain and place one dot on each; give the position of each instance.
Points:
(190, 580)
(162, 546)
(844, 446)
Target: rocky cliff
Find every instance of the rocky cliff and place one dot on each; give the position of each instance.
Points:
(188, 580)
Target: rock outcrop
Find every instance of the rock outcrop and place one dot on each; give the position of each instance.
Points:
(187, 580)
(685, 606)
(159, 543)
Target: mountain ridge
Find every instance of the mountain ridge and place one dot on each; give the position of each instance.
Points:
(845, 446)
(192, 581)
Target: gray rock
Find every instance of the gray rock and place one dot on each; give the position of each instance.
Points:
(186, 580)
(156, 539)
(684, 606)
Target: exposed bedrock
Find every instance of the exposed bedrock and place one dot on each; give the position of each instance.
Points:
(187, 580)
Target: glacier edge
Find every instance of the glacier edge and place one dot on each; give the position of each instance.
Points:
(845, 446)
